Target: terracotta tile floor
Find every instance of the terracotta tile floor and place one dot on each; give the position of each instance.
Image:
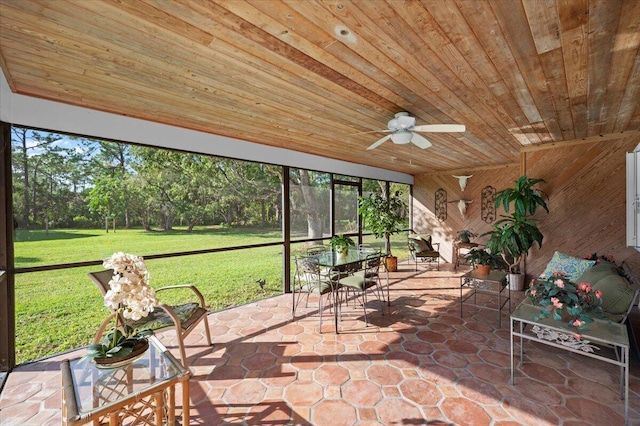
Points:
(419, 363)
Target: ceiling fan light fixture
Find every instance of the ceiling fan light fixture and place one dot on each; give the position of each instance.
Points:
(401, 137)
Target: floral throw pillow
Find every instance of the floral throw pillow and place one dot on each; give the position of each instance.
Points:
(572, 267)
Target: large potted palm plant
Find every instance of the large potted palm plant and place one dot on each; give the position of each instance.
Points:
(513, 235)
(383, 217)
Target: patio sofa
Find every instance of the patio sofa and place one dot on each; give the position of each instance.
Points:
(618, 285)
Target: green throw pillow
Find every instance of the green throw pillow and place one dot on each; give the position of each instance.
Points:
(571, 266)
(423, 243)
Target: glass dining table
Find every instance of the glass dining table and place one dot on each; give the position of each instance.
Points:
(354, 258)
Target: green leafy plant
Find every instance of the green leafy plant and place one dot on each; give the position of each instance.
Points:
(563, 300)
(480, 256)
(465, 236)
(513, 235)
(382, 216)
(340, 243)
(524, 196)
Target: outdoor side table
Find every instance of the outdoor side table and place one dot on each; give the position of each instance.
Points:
(143, 390)
(596, 335)
(493, 284)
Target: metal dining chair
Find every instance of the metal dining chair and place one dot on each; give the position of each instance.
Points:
(310, 279)
(363, 281)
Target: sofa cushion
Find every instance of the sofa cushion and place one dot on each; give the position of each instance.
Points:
(617, 293)
(571, 266)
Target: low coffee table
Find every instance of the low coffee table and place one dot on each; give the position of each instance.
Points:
(493, 283)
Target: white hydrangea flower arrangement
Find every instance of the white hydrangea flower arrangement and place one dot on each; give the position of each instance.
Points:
(129, 295)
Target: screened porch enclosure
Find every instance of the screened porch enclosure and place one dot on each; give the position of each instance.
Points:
(228, 226)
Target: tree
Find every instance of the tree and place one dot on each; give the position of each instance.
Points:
(382, 216)
(306, 187)
(26, 141)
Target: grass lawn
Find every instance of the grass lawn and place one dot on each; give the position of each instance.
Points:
(62, 309)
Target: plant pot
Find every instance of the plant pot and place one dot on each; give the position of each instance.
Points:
(516, 282)
(115, 362)
(391, 263)
(483, 269)
(342, 254)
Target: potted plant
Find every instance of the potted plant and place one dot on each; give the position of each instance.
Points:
(513, 235)
(130, 297)
(482, 260)
(382, 216)
(340, 244)
(465, 236)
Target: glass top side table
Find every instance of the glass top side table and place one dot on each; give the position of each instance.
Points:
(144, 389)
(493, 284)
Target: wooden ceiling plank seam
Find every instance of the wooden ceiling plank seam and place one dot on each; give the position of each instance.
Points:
(460, 35)
(421, 21)
(310, 106)
(318, 54)
(516, 32)
(382, 80)
(544, 23)
(301, 86)
(557, 81)
(480, 18)
(413, 64)
(624, 117)
(154, 13)
(582, 141)
(625, 51)
(278, 47)
(574, 24)
(603, 21)
(178, 84)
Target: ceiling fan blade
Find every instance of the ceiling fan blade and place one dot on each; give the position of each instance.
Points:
(435, 128)
(379, 142)
(420, 141)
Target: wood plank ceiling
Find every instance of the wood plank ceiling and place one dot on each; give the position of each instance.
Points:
(313, 75)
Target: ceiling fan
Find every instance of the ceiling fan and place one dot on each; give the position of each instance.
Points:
(403, 130)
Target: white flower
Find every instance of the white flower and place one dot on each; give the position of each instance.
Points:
(129, 286)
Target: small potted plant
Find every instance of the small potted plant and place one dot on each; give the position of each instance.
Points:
(482, 260)
(465, 236)
(340, 244)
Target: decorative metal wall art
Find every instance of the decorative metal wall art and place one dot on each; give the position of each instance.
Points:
(488, 200)
(441, 205)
